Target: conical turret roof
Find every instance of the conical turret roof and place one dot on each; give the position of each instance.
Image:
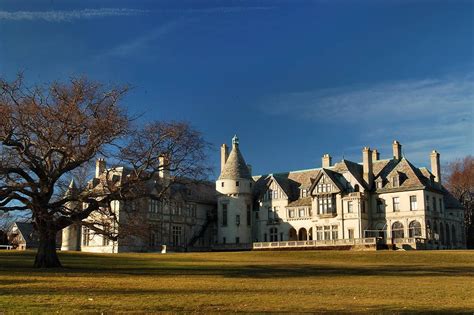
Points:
(235, 166)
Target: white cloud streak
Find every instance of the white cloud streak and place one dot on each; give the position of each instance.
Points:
(68, 16)
(424, 114)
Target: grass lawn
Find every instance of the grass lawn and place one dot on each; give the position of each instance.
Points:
(304, 281)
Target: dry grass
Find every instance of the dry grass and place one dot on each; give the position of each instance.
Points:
(303, 281)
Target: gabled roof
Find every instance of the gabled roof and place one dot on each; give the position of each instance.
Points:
(354, 168)
(235, 166)
(290, 182)
(333, 177)
(28, 233)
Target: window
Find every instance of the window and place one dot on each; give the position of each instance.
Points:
(301, 212)
(327, 232)
(325, 204)
(249, 218)
(237, 219)
(265, 237)
(319, 233)
(176, 233)
(380, 206)
(153, 206)
(323, 188)
(379, 184)
(105, 239)
(237, 183)
(334, 232)
(237, 240)
(413, 205)
(270, 194)
(275, 194)
(273, 235)
(270, 213)
(427, 203)
(395, 181)
(222, 184)
(397, 230)
(349, 207)
(434, 204)
(223, 240)
(304, 193)
(396, 204)
(224, 214)
(86, 233)
(275, 212)
(152, 240)
(414, 229)
(350, 232)
(440, 205)
(281, 236)
(291, 213)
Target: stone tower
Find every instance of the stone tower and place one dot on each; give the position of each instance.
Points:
(71, 239)
(234, 200)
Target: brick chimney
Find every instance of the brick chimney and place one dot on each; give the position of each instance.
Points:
(100, 166)
(397, 150)
(326, 161)
(224, 155)
(367, 166)
(435, 166)
(164, 170)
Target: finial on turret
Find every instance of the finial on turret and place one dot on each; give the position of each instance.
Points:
(235, 140)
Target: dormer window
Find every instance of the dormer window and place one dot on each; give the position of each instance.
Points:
(379, 184)
(395, 181)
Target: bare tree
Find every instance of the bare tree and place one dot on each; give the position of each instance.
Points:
(460, 182)
(51, 134)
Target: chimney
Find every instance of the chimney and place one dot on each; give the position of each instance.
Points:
(224, 155)
(397, 150)
(435, 168)
(326, 161)
(164, 170)
(99, 167)
(250, 169)
(367, 166)
(375, 155)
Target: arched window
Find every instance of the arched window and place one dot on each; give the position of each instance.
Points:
(414, 229)
(397, 230)
(292, 234)
(273, 234)
(302, 234)
(356, 188)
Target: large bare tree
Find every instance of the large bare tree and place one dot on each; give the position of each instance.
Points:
(50, 134)
(460, 182)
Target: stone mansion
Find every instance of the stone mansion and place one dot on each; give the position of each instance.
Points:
(387, 200)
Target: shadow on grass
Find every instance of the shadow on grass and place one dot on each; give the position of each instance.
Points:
(83, 264)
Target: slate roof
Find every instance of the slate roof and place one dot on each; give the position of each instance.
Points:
(302, 202)
(28, 233)
(235, 166)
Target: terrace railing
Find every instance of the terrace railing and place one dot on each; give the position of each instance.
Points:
(314, 243)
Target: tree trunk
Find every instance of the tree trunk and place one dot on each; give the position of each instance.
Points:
(46, 256)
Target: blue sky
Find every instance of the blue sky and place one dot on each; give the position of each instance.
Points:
(294, 79)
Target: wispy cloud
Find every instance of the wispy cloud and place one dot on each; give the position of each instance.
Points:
(128, 48)
(425, 114)
(68, 16)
